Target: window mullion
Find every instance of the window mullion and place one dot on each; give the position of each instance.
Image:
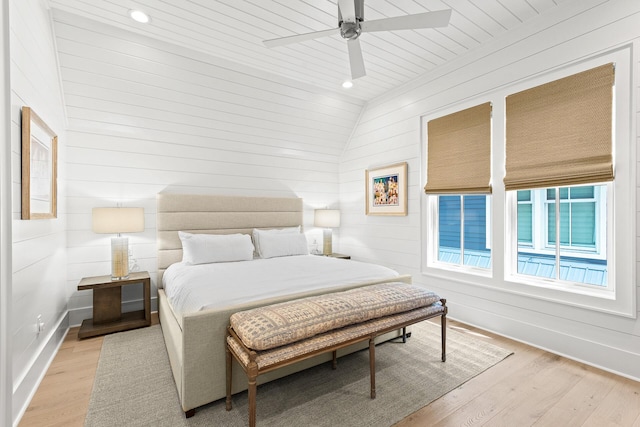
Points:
(570, 242)
(557, 233)
(461, 230)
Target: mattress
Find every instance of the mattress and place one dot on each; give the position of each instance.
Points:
(193, 288)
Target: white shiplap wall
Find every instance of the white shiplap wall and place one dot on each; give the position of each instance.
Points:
(389, 131)
(6, 220)
(39, 246)
(147, 116)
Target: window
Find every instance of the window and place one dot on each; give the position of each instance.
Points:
(559, 135)
(458, 185)
(463, 230)
(569, 232)
(580, 255)
(561, 230)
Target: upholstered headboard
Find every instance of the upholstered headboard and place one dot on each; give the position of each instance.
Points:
(216, 214)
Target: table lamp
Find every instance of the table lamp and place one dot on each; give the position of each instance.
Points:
(327, 219)
(116, 221)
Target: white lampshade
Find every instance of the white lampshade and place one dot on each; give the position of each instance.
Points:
(327, 218)
(118, 220)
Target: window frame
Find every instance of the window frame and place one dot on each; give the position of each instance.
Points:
(434, 237)
(433, 254)
(542, 247)
(511, 267)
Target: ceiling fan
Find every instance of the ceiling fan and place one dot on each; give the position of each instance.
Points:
(351, 24)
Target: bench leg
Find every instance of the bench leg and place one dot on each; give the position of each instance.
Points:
(252, 373)
(372, 366)
(334, 361)
(229, 373)
(443, 334)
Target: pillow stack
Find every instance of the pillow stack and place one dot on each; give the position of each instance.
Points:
(208, 248)
(280, 242)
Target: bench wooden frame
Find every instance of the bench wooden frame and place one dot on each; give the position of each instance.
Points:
(253, 371)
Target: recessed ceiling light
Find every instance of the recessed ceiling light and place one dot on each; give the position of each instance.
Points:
(347, 84)
(139, 16)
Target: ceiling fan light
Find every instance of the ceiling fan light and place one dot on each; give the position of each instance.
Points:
(347, 84)
(139, 16)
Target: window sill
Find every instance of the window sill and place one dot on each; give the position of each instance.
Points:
(586, 297)
(435, 267)
(558, 286)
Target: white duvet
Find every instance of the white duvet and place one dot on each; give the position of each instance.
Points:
(191, 288)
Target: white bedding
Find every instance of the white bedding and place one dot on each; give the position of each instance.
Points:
(191, 288)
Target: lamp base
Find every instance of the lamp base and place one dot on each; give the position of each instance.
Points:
(119, 258)
(326, 242)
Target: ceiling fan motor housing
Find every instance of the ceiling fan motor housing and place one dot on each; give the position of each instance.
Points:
(351, 30)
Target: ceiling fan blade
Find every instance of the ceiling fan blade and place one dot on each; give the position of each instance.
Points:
(355, 59)
(347, 10)
(435, 19)
(281, 41)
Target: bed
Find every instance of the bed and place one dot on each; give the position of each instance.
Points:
(195, 333)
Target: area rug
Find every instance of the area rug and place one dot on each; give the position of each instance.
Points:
(134, 385)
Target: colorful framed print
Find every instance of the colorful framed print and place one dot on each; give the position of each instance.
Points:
(386, 190)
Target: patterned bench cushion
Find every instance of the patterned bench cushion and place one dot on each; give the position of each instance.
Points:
(274, 356)
(275, 325)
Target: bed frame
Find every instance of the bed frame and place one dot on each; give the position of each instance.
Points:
(196, 343)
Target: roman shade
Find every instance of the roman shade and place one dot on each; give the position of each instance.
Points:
(459, 152)
(560, 133)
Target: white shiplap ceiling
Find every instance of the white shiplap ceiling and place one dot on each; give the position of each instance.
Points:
(234, 30)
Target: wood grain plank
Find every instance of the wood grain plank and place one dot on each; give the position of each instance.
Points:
(527, 387)
(577, 405)
(619, 407)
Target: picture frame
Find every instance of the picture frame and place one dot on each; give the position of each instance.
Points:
(386, 190)
(39, 167)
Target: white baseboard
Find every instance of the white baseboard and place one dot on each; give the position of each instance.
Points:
(607, 358)
(24, 391)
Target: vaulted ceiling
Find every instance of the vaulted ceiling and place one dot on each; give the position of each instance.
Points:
(234, 30)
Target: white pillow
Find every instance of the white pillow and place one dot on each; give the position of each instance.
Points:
(207, 248)
(283, 244)
(257, 233)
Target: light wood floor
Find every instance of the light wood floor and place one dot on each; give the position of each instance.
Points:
(531, 387)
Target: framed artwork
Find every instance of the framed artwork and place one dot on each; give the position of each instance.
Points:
(39, 167)
(386, 190)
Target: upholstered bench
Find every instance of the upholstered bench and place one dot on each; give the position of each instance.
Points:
(271, 337)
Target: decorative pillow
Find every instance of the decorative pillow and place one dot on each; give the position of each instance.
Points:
(283, 244)
(257, 233)
(208, 248)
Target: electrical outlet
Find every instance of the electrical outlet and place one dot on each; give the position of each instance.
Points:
(39, 324)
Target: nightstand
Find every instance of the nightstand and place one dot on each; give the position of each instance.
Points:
(337, 255)
(107, 305)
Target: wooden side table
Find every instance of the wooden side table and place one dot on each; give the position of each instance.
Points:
(107, 305)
